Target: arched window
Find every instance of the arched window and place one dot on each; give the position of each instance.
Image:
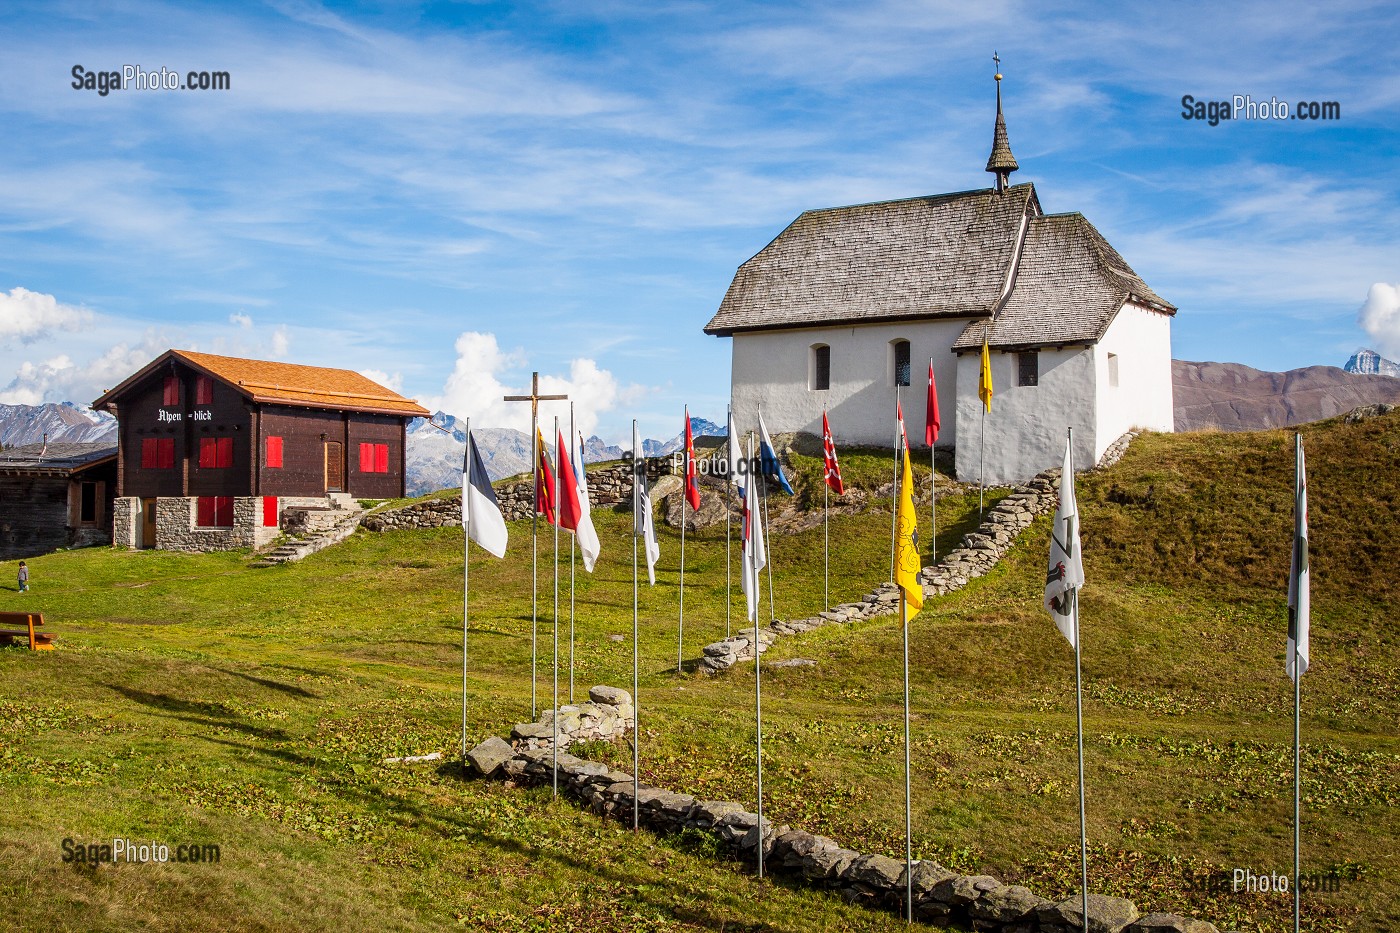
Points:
(899, 357)
(819, 368)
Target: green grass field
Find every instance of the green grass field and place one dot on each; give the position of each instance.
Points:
(193, 699)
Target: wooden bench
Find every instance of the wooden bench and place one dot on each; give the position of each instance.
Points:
(38, 641)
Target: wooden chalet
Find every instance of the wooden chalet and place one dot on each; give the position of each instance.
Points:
(55, 495)
(213, 449)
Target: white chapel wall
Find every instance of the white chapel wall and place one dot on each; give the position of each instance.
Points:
(770, 369)
(1025, 430)
(1140, 339)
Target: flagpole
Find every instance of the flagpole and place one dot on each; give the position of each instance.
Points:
(1297, 697)
(534, 563)
(932, 483)
(638, 477)
(1078, 705)
(685, 493)
(557, 522)
(466, 586)
(826, 570)
(894, 501)
(728, 509)
(982, 459)
(758, 682)
(908, 792)
(573, 542)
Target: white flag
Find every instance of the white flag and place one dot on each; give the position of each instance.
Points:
(587, 536)
(1298, 578)
(642, 525)
(1066, 571)
(755, 557)
(481, 513)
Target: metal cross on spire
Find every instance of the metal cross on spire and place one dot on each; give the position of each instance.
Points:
(996, 60)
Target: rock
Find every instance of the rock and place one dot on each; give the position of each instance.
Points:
(1106, 915)
(794, 662)
(926, 876)
(1168, 923)
(961, 890)
(707, 813)
(1006, 905)
(532, 730)
(876, 871)
(490, 755)
(610, 695)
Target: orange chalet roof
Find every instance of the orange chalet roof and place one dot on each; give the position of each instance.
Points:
(285, 383)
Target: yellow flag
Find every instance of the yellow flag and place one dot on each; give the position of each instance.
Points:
(907, 564)
(984, 381)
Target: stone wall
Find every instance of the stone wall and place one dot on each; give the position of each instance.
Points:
(607, 716)
(941, 898)
(608, 487)
(176, 529)
(979, 553)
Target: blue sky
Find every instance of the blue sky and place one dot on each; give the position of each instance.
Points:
(451, 195)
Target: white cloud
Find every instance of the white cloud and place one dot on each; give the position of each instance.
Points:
(475, 389)
(1380, 317)
(33, 383)
(240, 319)
(29, 316)
(394, 382)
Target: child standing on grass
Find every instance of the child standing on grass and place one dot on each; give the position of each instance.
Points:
(23, 577)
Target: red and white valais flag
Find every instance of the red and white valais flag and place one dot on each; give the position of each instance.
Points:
(1299, 607)
(1066, 573)
(833, 469)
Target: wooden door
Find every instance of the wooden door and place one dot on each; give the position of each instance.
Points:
(148, 523)
(335, 467)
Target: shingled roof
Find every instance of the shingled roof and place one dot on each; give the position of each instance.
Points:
(286, 384)
(1069, 285)
(59, 458)
(941, 256)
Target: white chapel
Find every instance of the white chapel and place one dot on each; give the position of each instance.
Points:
(848, 305)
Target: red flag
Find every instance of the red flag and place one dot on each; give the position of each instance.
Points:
(570, 511)
(833, 469)
(931, 423)
(544, 492)
(692, 489)
(899, 413)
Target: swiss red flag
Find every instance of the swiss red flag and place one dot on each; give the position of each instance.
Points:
(570, 510)
(899, 413)
(931, 418)
(692, 488)
(833, 469)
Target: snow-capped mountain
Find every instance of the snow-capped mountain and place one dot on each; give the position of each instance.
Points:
(699, 427)
(1369, 362)
(61, 422)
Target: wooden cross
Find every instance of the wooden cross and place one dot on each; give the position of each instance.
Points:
(534, 398)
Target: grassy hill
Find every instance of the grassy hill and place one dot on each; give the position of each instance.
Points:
(195, 700)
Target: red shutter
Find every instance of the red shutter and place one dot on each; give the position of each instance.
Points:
(366, 458)
(150, 453)
(171, 392)
(203, 390)
(274, 452)
(225, 452)
(204, 511)
(381, 458)
(270, 511)
(167, 453)
(223, 511)
(208, 453)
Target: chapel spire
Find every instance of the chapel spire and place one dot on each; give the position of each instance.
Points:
(1001, 161)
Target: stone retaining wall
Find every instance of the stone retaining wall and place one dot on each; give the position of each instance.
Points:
(979, 553)
(608, 487)
(941, 897)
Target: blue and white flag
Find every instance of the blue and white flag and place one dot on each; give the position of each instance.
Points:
(481, 513)
(643, 524)
(735, 458)
(768, 458)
